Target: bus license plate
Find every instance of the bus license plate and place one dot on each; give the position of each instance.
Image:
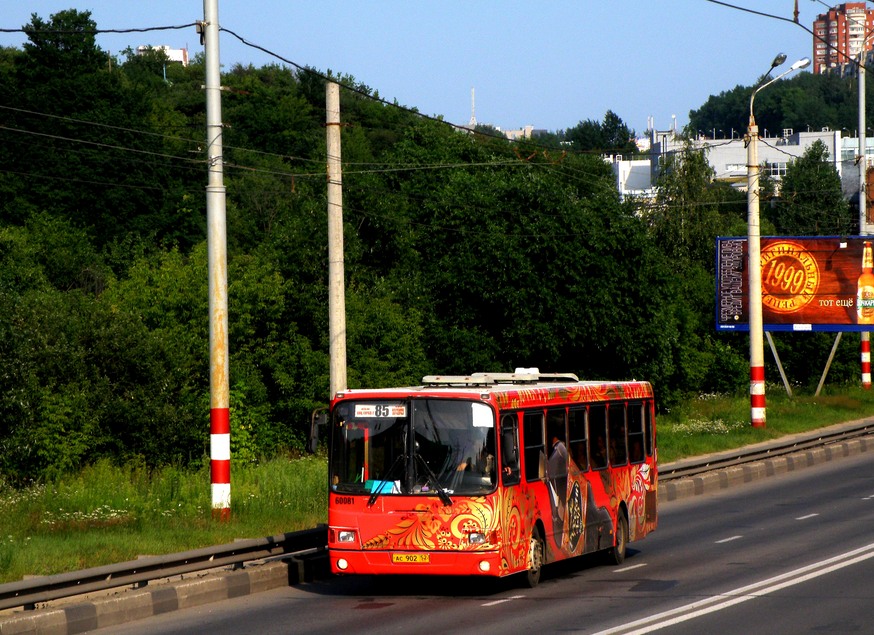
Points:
(411, 558)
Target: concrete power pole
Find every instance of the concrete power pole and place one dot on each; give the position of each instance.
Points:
(336, 283)
(865, 343)
(219, 385)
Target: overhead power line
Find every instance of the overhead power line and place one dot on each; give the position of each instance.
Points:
(29, 31)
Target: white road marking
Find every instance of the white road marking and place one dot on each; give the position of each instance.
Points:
(635, 566)
(806, 517)
(750, 592)
(719, 542)
(515, 597)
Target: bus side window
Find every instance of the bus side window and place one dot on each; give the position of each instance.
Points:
(648, 426)
(577, 437)
(535, 446)
(509, 450)
(618, 440)
(635, 432)
(598, 436)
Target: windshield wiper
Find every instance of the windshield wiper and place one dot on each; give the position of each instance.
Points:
(386, 479)
(444, 497)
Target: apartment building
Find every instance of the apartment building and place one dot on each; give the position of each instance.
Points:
(840, 36)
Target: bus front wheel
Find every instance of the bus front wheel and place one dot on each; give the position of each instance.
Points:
(535, 559)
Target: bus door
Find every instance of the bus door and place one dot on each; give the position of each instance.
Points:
(598, 522)
(513, 518)
(557, 481)
(509, 450)
(642, 509)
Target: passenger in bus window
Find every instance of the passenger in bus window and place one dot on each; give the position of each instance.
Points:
(511, 463)
(509, 452)
(557, 471)
(558, 459)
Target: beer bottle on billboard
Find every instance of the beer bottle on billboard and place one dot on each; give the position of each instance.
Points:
(865, 288)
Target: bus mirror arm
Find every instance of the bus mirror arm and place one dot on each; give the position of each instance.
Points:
(319, 419)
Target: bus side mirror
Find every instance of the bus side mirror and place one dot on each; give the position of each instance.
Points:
(319, 419)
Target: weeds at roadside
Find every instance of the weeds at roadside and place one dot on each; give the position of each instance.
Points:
(107, 514)
(713, 422)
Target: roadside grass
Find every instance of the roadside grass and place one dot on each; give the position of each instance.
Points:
(713, 423)
(107, 514)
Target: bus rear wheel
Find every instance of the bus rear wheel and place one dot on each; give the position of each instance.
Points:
(616, 553)
(535, 559)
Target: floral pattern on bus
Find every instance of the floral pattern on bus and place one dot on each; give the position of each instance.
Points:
(519, 511)
(630, 486)
(434, 525)
(592, 392)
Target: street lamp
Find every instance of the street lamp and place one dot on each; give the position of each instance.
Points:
(757, 355)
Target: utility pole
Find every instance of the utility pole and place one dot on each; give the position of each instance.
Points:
(216, 226)
(757, 355)
(336, 283)
(865, 344)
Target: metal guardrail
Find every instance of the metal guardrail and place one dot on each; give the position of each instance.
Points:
(758, 452)
(27, 593)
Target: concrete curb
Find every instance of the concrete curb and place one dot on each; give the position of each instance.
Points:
(720, 479)
(128, 605)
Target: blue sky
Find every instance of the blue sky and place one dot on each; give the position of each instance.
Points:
(546, 63)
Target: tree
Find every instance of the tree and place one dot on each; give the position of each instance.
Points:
(804, 101)
(691, 209)
(64, 46)
(72, 117)
(608, 136)
(617, 136)
(811, 201)
(463, 252)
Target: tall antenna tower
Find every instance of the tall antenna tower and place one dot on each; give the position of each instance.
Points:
(472, 123)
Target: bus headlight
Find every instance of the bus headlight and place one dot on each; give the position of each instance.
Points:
(345, 536)
(476, 538)
(484, 566)
(342, 564)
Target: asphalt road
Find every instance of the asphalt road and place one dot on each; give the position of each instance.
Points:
(789, 554)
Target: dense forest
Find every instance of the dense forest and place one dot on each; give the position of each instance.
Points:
(801, 102)
(463, 252)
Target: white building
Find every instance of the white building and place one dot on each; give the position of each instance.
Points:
(633, 177)
(173, 55)
(728, 158)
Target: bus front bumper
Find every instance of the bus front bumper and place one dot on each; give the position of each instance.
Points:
(487, 563)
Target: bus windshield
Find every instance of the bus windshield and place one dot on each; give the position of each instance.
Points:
(414, 446)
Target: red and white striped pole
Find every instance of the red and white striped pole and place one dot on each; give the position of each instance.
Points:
(866, 359)
(757, 354)
(754, 253)
(863, 208)
(220, 461)
(216, 228)
(757, 396)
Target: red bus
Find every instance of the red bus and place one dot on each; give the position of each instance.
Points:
(489, 474)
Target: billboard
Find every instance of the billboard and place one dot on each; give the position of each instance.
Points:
(808, 283)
